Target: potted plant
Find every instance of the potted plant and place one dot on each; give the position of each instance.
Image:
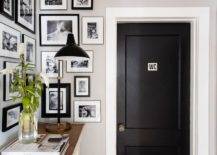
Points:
(28, 89)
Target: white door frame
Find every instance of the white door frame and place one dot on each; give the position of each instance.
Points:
(199, 19)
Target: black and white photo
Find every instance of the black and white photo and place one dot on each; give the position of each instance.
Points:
(49, 65)
(82, 4)
(87, 111)
(53, 4)
(7, 81)
(81, 65)
(9, 40)
(7, 8)
(30, 50)
(11, 116)
(82, 86)
(49, 100)
(54, 29)
(93, 30)
(25, 14)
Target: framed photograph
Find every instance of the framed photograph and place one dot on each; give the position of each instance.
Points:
(80, 66)
(11, 116)
(82, 86)
(9, 39)
(92, 30)
(7, 81)
(50, 66)
(87, 111)
(82, 4)
(53, 4)
(7, 8)
(30, 49)
(54, 28)
(25, 14)
(50, 100)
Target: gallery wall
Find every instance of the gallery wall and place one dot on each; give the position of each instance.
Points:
(93, 136)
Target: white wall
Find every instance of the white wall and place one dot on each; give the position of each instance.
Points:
(93, 141)
(10, 134)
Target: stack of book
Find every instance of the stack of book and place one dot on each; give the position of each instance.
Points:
(51, 144)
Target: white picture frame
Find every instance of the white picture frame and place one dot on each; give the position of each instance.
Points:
(9, 40)
(53, 5)
(92, 30)
(81, 66)
(52, 25)
(30, 49)
(49, 65)
(7, 79)
(87, 111)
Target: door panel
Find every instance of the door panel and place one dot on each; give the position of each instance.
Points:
(153, 89)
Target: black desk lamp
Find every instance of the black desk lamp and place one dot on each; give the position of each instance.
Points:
(66, 53)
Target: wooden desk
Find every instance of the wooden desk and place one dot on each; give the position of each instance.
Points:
(74, 135)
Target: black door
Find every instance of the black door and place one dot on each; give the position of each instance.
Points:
(153, 96)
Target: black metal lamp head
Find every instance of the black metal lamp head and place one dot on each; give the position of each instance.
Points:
(71, 50)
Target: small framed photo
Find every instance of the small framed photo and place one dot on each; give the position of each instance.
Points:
(11, 116)
(7, 8)
(53, 4)
(93, 30)
(54, 28)
(25, 14)
(82, 4)
(50, 101)
(30, 49)
(9, 39)
(82, 86)
(7, 81)
(87, 111)
(50, 66)
(80, 66)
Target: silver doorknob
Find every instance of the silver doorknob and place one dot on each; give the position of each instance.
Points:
(121, 127)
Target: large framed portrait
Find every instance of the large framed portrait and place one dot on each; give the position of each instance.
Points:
(53, 4)
(82, 86)
(25, 14)
(11, 116)
(30, 49)
(49, 65)
(77, 65)
(50, 100)
(92, 30)
(9, 39)
(7, 81)
(54, 28)
(82, 4)
(7, 8)
(87, 111)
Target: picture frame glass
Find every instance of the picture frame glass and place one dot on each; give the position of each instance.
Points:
(9, 40)
(79, 66)
(55, 29)
(49, 65)
(53, 4)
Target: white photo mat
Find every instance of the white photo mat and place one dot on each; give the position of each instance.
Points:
(96, 104)
(80, 69)
(62, 6)
(12, 121)
(99, 28)
(17, 34)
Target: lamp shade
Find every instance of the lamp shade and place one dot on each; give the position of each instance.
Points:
(71, 50)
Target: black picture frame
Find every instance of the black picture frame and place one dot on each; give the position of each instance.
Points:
(60, 15)
(56, 8)
(75, 86)
(5, 110)
(11, 17)
(82, 8)
(21, 24)
(44, 113)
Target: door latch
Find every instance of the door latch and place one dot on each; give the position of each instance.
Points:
(121, 127)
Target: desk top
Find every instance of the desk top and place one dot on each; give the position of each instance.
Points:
(74, 135)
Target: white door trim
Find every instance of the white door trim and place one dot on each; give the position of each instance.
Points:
(199, 19)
